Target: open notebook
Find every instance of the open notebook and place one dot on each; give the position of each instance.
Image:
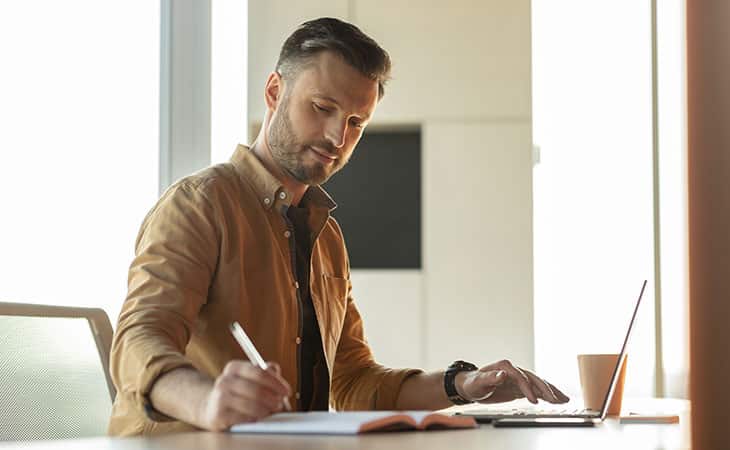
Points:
(323, 422)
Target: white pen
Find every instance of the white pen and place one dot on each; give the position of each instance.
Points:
(250, 351)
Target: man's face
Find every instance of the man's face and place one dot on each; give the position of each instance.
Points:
(320, 119)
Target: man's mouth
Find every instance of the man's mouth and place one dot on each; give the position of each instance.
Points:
(324, 156)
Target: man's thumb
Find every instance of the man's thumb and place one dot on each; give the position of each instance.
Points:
(489, 382)
(496, 377)
(275, 367)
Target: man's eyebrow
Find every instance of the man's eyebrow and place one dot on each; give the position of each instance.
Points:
(328, 98)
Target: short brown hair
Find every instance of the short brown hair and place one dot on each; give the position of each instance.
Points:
(355, 47)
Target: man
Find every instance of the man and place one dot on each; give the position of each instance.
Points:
(252, 241)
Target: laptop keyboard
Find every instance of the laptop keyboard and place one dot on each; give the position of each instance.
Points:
(528, 411)
(552, 412)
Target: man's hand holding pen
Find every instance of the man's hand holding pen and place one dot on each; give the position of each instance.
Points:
(243, 393)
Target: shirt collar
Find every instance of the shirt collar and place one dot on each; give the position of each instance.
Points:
(268, 188)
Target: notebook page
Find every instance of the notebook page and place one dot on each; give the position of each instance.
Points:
(319, 422)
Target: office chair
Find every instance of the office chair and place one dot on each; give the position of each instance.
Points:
(54, 372)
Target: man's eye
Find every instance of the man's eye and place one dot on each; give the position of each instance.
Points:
(320, 108)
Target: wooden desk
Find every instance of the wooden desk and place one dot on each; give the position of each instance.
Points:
(608, 435)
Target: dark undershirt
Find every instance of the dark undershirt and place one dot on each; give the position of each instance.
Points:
(313, 374)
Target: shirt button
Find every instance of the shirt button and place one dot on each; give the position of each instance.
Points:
(299, 340)
(282, 195)
(287, 233)
(296, 285)
(267, 200)
(297, 395)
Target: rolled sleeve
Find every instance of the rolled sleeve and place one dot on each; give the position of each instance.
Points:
(389, 388)
(358, 382)
(175, 258)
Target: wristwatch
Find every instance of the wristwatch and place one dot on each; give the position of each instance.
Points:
(450, 378)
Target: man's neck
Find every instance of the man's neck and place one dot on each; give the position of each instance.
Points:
(294, 187)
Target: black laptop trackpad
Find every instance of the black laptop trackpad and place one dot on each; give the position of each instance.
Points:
(543, 422)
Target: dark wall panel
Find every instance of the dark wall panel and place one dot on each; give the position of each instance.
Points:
(379, 201)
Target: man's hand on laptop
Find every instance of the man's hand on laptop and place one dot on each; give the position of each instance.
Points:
(504, 382)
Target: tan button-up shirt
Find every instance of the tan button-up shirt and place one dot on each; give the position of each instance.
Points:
(216, 249)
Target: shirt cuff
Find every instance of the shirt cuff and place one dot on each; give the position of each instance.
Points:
(155, 367)
(387, 393)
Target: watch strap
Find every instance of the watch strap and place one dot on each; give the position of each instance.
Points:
(450, 381)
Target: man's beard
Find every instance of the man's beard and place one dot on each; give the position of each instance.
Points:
(291, 155)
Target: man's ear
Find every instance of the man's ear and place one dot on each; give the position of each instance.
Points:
(273, 90)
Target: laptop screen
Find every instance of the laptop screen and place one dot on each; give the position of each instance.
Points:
(622, 356)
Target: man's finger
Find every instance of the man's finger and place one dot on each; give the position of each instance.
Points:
(244, 390)
(273, 366)
(544, 391)
(267, 378)
(520, 379)
(276, 371)
(558, 393)
(496, 377)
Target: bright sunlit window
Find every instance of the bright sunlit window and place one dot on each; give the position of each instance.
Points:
(673, 185)
(593, 213)
(78, 147)
(229, 29)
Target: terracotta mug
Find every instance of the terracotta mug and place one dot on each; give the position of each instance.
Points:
(595, 377)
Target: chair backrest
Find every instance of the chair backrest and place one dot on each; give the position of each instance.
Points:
(54, 372)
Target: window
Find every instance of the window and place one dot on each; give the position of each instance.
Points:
(593, 189)
(673, 196)
(229, 50)
(78, 148)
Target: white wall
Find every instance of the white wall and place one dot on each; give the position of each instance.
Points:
(478, 242)
(461, 69)
(269, 23)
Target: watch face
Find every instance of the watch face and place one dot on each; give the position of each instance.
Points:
(462, 366)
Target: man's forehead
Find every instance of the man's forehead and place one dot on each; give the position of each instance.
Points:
(331, 78)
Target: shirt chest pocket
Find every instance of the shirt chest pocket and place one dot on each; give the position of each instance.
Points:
(329, 294)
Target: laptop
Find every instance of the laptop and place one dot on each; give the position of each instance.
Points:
(489, 414)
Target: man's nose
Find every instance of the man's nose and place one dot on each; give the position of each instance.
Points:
(336, 132)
